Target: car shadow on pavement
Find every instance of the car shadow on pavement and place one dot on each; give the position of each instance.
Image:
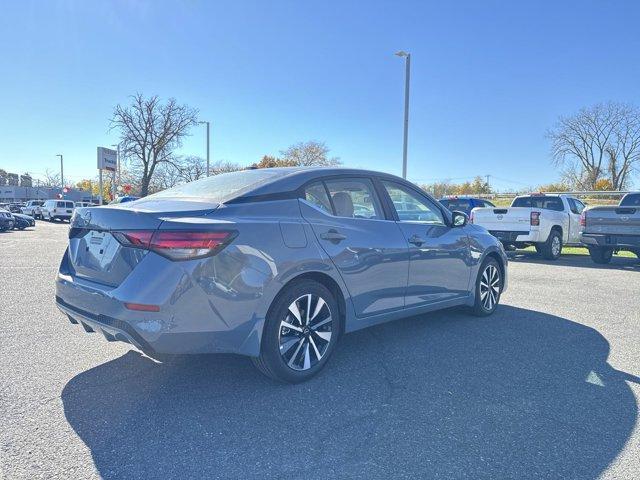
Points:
(573, 260)
(521, 394)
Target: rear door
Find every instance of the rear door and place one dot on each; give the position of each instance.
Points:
(438, 253)
(368, 250)
(575, 209)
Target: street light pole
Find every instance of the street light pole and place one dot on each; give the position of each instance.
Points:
(407, 76)
(208, 140)
(61, 175)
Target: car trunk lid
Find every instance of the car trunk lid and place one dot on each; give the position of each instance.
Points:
(94, 252)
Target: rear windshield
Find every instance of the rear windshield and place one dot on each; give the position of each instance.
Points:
(631, 200)
(457, 204)
(549, 203)
(223, 187)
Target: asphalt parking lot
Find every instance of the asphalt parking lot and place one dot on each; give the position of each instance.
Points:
(548, 387)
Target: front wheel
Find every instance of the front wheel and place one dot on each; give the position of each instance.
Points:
(601, 255)
(300, 333)
(488, 288)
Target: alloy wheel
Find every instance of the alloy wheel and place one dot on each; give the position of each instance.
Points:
(305, 332)
(489, 287)
(555, 246)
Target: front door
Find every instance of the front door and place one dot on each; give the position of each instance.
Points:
(438, 253)
(369, 251)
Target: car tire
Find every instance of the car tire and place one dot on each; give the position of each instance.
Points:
(601, 255)
(489, 285)
(552, 248)
(301, 331)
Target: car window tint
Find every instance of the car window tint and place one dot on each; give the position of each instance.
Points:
(354, 198)
(631, 201)
(549, 203)
(411, 207)
(316, 194)
(576, 206)
(462, 205)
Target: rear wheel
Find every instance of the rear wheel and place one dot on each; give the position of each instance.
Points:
(601, 255)
(488, 288)
(552, 248)
(300, 333)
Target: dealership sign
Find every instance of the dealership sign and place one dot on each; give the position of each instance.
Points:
(107, 159)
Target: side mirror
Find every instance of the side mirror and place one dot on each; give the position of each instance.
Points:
(459, 219)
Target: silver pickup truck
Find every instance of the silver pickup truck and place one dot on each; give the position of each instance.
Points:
(605, 230)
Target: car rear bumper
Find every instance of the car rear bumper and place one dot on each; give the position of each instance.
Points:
(511, 236)
(195, 315)
(613, 240)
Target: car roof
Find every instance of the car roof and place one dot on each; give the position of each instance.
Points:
(292, 178)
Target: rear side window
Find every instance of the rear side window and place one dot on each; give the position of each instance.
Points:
(354, 198)
(576, 206)
(316, 194)
(631, 200)
(486, 203)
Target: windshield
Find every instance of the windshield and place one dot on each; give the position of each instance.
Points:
(223, 187)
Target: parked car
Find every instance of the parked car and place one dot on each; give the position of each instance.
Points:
(57, 210)
(273, 264)
(606, 230)
(124, 199)
(22, 221)
(15, 207)
(545, 221)
(464, 203)
(6, 220)
(83, 204)
(32, 208)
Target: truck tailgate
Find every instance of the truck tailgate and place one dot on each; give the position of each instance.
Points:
(511, 219)
(613, 220)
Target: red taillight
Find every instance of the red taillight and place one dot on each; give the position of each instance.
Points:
(141, 307)
(176, 245)
(583, 220)
(535, 219)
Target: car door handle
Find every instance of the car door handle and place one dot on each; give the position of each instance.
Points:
(333, 236)
(416, 240)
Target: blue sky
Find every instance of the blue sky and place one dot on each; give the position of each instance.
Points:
(488, 78)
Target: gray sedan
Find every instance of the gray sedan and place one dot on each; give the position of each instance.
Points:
(275, 264)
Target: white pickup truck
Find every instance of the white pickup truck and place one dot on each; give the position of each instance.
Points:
(32, 208)
(545, 221)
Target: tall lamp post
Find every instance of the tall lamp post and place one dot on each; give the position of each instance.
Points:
(61, 175)
(407, 76)
(208, 138)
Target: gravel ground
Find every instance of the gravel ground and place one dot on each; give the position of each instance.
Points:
(545, 388)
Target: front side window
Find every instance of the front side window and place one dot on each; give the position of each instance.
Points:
(411, 207)
(354, 198)
(316, 195)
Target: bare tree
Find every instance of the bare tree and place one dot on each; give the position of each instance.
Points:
(309, 153)
(150, 132)
(598, 142)
(50, 179)
(224, 167)
(624, 151)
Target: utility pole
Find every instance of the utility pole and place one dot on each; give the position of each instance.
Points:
(61, 175)
(407, 76)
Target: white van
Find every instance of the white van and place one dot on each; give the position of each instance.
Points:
(57, 209)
